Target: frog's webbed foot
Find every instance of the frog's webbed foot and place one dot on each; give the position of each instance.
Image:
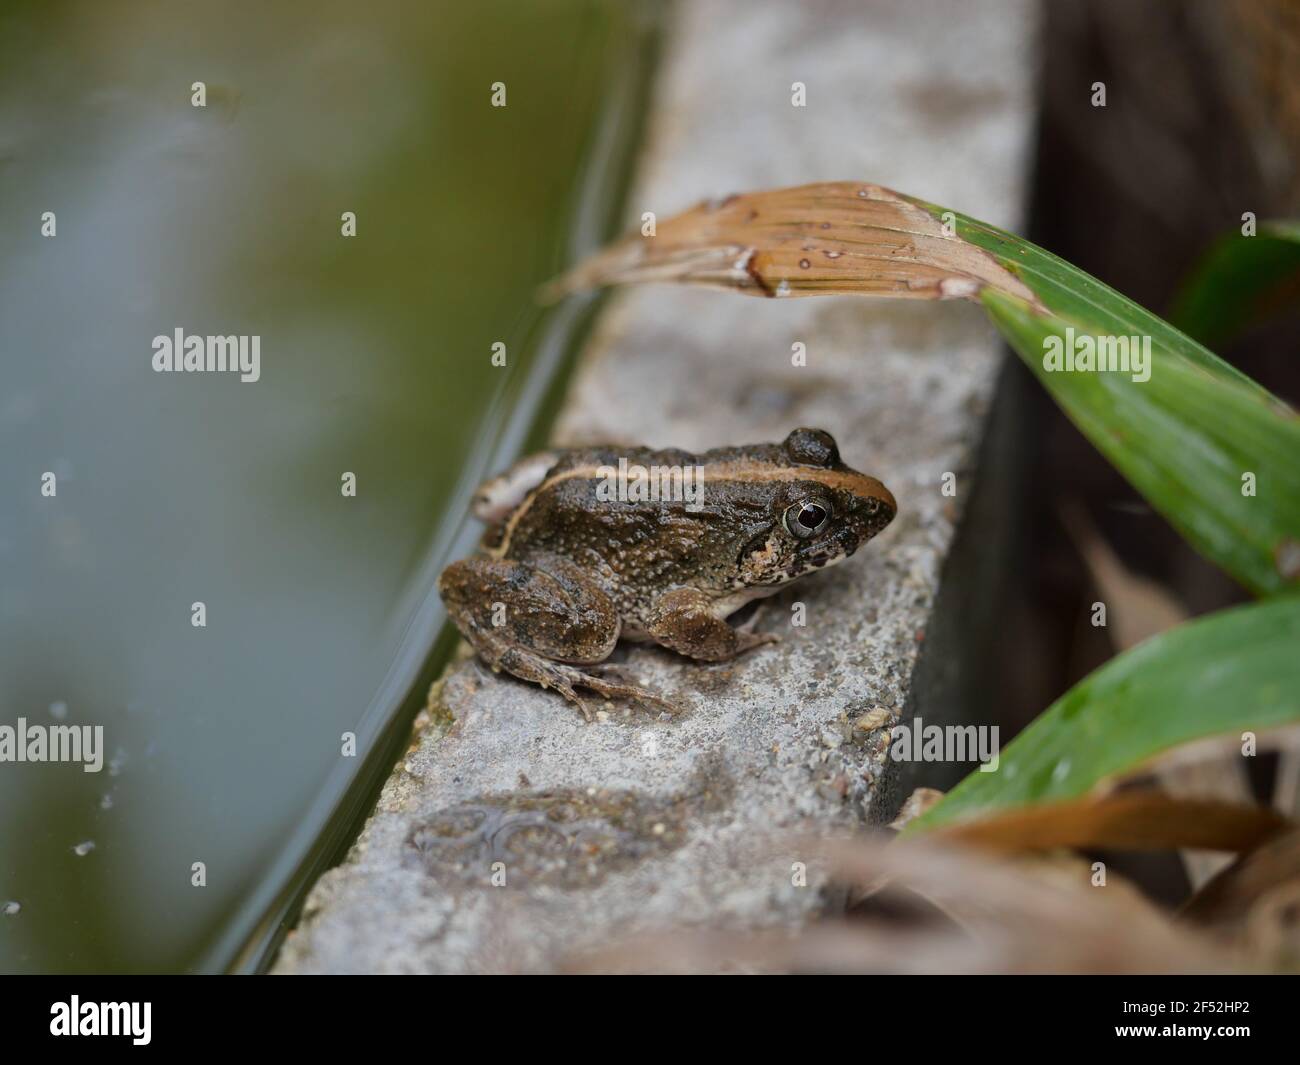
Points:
(614, 682)
(565, 678)
(564, 685)
(610, 682)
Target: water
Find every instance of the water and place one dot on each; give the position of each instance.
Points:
(224, 786)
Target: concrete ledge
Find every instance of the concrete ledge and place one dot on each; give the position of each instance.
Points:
(632, 823)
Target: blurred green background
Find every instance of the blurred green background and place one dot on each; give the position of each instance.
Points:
(223, 743)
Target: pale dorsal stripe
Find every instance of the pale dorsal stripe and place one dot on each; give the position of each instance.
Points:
(857, 483)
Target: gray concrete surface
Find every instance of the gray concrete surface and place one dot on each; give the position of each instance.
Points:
(632, 823)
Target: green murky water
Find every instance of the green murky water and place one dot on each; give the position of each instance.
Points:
(223, 743)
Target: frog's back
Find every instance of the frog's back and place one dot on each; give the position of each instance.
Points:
(558, 503)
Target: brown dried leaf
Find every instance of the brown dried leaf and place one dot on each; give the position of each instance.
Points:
(1014, 918)
(1230, 896)
(834, 237)
(1137, 820)
(1256, 901)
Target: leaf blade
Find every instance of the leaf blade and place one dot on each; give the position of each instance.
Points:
(1232, 671)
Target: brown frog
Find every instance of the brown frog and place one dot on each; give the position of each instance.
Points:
(592, 544)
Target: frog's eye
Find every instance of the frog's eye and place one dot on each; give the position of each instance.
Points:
(807, 518)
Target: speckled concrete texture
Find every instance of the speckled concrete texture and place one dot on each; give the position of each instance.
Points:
(513, 832)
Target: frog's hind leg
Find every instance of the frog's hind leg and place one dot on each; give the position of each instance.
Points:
(541, 625)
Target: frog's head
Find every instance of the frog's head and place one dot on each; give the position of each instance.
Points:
(821, 510)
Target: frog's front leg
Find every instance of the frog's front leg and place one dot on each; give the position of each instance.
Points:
(685, 620)
(540, 625)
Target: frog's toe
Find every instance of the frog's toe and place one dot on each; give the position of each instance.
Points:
(563, 686)
(625, 690)
(580, 703)
(612, 671)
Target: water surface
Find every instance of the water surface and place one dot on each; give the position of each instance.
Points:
(224, 742)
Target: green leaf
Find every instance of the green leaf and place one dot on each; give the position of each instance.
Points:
(1194, 438)
(1231, 672)
(1239, 281)
(1185, 439)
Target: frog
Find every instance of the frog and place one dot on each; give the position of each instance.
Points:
(581, 551)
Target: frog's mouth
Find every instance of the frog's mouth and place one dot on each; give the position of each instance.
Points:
(810, 563)
(762, 555)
